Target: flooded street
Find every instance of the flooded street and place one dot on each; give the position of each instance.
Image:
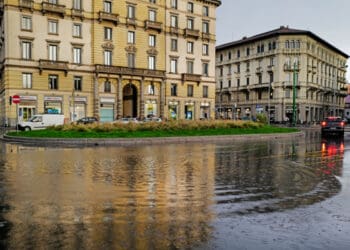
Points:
(264, 194)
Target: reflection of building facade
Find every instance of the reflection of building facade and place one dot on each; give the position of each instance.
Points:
(256, 75)
(108, 59)
(133, 199)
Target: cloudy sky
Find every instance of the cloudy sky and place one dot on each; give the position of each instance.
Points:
(329, 19)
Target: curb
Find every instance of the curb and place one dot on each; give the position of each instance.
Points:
(142, 141)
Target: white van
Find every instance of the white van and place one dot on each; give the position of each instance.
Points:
(41, 122)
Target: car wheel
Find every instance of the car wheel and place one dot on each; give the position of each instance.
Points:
(27, 129)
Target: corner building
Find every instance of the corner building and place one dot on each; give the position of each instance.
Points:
(262, 73)
(109, 59)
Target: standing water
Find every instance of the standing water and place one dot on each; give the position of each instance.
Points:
(155, 197)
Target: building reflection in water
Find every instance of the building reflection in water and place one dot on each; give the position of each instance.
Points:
(155, 197)
(264, 177)
(107, 198)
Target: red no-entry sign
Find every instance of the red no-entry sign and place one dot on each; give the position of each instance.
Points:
(16, 99)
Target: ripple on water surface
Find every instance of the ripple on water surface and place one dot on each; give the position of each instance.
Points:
(152, 197)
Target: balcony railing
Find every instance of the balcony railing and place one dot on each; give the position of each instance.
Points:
(128, 71)
(131, 21)
(205, 36)
(153, 25)
(53, 8)
(53, 65)
(106, 16)
(79, 13)
(26, 4)
(259, 70)
(174, 31)
(270, 68)
(191, 77)
(191, 33)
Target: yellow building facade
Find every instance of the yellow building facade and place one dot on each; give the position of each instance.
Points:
(109, 59)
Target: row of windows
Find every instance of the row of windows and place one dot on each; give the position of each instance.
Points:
(259, 49)
(291, 44)
(190, 24)
(26, 47)
(107, 5)
(27, 83)
(260, 80)
(189, 67)
(247, 65)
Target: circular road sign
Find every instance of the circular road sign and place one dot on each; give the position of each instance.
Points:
(16, 99)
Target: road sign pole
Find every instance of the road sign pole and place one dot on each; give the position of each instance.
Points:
(16, 117)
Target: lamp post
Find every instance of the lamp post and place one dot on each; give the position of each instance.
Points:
(295, 79)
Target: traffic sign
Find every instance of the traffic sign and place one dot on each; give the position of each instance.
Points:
(16, 99)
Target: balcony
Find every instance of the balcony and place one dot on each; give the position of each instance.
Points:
(259, 86)
(341, 79)
(53, 8)
(110, 17)
(270, 68)
(191, 33)
(191, 77)
(312, 86)
(77, 13)
(205, 36)
(129, 71)
(259, 70)
(174, 31)
(53, 65)
(131, 22)
(153, 25)
(26, 4)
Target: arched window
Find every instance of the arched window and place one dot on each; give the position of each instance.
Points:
(287, 44)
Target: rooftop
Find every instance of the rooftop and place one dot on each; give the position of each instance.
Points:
(282, 30)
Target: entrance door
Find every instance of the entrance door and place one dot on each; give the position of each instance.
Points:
(130, 101)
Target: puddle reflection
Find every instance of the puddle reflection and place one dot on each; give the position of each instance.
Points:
(154, 197)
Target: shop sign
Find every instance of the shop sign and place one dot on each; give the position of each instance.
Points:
(28, 98)
(107, 100)
(52, 98)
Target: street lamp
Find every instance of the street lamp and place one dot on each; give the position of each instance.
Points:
(295, 79)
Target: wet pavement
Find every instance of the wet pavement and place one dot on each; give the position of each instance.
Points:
(265, 194)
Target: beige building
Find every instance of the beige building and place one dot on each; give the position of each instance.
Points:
(262, 73)
(108, 59)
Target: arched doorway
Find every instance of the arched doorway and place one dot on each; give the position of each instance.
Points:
(129, 101)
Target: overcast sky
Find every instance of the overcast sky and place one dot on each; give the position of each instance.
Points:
(328, 19)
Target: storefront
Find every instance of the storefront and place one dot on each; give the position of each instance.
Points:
(173, 110)
(27, 107)
(189, 110)
(205, 110)
(77, 108)
(151, 108)
(107, 109)
(53, 104)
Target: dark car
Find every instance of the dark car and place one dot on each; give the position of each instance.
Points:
(87, 120)
(333, 125)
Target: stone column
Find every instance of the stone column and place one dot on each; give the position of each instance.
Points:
(162, 99)
(120, 98)
(96, 101)
(142, 99)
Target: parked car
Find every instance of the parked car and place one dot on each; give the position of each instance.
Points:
(41, 122)
(152, 119)
(87, 120)
(333, 125)
(127, 120)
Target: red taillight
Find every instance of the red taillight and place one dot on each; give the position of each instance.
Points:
(323, 124)
(342, 124)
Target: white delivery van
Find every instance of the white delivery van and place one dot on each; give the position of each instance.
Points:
(41, 122)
